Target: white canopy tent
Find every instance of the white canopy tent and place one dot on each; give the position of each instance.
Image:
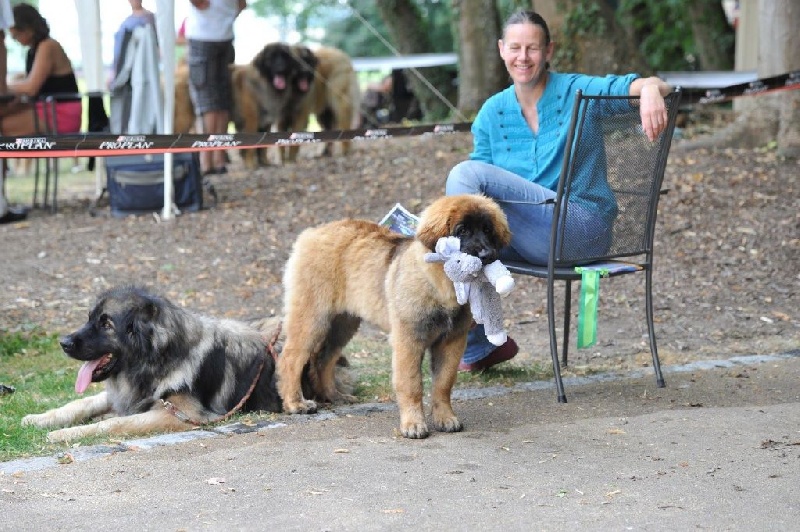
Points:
(90, 29)
(94, 73)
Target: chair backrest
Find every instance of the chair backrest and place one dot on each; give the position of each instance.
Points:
(610, 184)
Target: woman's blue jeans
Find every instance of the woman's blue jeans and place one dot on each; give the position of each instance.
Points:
(529, 218)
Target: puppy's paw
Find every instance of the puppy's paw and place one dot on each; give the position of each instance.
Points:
(414, 431)
(448, 424)
(304, 406)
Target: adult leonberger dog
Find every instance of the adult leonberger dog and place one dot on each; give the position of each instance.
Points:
(165, 368)
(351, 270)
(267, 95)
(335, 96)
(286, 84)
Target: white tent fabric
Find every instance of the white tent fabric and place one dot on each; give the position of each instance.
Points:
(165, 22)
(94, 74)
(89, 27)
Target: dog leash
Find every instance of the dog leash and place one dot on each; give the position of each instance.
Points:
(172, 409)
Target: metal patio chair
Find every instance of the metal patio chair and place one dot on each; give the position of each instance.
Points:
(606, 144)
(48, 125)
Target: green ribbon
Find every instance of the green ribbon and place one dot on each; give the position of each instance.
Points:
(587, 310)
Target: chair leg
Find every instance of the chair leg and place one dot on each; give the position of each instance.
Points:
(551, 320)
(46, 194)
(567, 314)
(54, 207)
(651, 330)
(36, 183)
(53, 128)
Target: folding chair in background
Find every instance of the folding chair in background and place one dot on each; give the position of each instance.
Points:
(49, 126)
(606, 141)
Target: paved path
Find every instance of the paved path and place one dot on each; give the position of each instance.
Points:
(719, 448)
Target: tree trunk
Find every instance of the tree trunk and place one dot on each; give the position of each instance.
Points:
(481, 71)
(773, 117)
(409, 33)
(713, 37)
(589, 39)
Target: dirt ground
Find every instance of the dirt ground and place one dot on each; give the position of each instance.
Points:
(726, 274)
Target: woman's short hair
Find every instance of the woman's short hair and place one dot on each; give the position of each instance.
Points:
(528, 17)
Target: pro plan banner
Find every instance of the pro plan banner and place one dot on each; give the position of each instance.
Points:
(104, 145)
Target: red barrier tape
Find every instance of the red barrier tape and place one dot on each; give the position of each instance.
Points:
(105, 145)
(790, 80)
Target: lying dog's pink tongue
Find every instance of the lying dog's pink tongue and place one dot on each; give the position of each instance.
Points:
(85, 375)
(279, 82)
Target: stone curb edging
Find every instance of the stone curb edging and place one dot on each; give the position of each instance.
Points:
(81, 454)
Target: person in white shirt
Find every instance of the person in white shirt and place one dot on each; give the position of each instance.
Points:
(209, 35)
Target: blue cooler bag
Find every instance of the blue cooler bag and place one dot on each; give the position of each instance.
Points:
(136, 183)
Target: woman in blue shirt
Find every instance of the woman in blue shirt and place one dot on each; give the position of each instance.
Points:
(520, 135)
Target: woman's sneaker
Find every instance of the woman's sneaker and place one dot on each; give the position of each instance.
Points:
(505, 352)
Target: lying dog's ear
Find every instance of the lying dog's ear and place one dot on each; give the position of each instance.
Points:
(141, 326)
(149, 311)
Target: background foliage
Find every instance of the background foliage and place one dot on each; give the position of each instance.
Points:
(662, 28)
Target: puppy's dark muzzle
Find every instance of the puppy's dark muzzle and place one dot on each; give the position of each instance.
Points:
(485, 253)
(487, 256)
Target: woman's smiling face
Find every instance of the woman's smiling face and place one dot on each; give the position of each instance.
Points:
(525, 52)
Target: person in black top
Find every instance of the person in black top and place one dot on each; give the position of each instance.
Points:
(48, 72)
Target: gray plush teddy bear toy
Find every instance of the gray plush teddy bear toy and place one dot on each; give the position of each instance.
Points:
(480, 286)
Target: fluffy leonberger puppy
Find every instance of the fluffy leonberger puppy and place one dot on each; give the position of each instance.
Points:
(335, 96)
(165, 368)
(343, 272)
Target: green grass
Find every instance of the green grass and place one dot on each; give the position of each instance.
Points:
(32, 362)
(20, 181)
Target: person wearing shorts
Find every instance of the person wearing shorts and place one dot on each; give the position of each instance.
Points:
(209, 35)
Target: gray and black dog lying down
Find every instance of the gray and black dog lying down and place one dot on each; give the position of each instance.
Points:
(165, 368)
